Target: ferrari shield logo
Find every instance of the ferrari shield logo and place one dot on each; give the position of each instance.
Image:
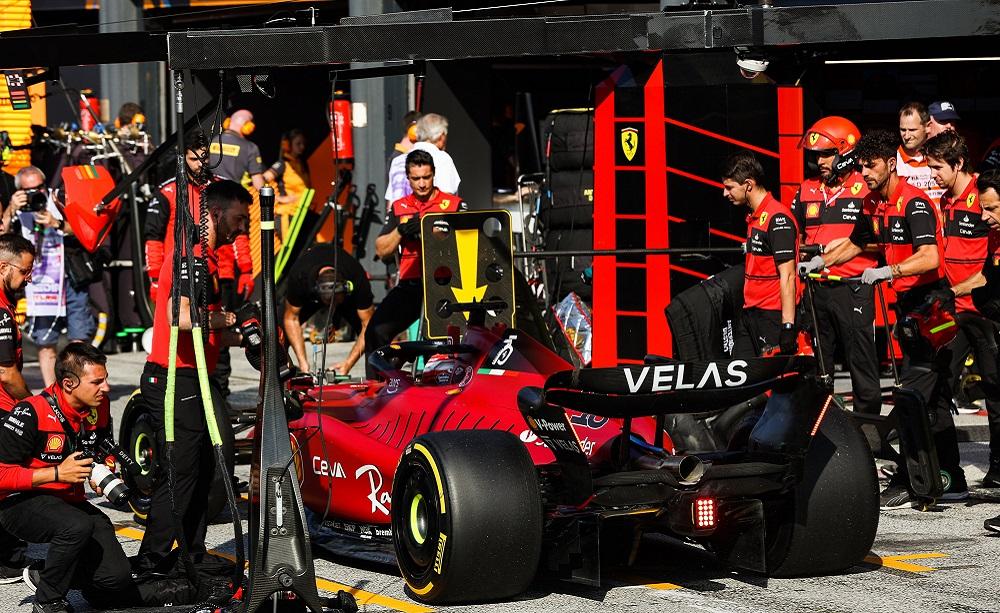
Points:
(875, 226)
(55, 442)
(630, 142)
(92, 417)
(970, 200)
(813, 138)
(763, 219)
(444, 204)
(899, 204)
(856, 188)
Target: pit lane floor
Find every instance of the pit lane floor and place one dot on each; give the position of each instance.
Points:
(941, 560)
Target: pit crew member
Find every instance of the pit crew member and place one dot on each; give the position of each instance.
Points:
(41, 486)
(321, 275)
(826, 210)
(769, 287)
(17, 255)
(911, 164)
(903, 221)
(194, 465)
(401, 233)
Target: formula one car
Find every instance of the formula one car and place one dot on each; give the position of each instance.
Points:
(499, 461)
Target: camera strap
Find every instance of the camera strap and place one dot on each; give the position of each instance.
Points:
(71, 434)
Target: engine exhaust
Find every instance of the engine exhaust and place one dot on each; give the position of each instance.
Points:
(686, 469)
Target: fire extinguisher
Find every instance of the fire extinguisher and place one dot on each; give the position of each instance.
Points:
(87, 115)
(340, 113)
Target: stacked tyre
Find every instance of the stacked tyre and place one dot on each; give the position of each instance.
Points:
(567, 210)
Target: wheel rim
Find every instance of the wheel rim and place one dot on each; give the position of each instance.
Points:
(418, 526)
(418, 519)
(142, 452)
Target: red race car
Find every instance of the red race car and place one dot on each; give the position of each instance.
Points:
(498, 461)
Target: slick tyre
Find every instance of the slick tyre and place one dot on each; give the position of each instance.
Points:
(466, 516)
(828, 522)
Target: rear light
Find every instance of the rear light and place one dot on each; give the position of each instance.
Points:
(703, 513)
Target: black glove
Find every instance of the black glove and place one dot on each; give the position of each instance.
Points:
(410, 229)
(248, 323)
(788, 341)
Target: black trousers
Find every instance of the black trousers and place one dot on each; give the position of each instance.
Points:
(979, 335)
(755, 331)
(845, 318)
(929, 373)
(193, 461)
(12, 550)
(400, 308)
(83, 552)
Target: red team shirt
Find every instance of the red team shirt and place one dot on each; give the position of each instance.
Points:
(772, 238)
(410, 265)
(968, 240)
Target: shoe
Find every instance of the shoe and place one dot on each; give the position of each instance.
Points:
(969, 408)
(894, 497)
(15, 571)
(954, 489)
(56, 606)
(992, 477)
(32, 577)
(992, 524)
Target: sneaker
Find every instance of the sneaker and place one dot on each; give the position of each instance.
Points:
(992, 478)
(967, 408)
(56, 606)
(14, 571)
(894, 497)
(992, 524)
(32, 577)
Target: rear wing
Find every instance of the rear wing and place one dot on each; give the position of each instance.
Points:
(671, 386)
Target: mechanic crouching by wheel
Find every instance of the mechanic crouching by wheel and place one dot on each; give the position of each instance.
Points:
(769, 287)
(902, 220)
(401, 306)
(327, 275)
(41, 486)
(194, 461)
(826, 210)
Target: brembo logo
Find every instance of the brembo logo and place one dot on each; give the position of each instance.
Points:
(666, 377)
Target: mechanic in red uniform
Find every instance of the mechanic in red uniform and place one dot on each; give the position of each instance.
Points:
(769, 287)
(826, 210)
(194, 465)
(159, 236)
(968, 243)
(17, 256)
(903, 221)
(401, 232)
(41, 486)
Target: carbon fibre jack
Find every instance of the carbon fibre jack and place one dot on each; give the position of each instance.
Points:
(280, 555)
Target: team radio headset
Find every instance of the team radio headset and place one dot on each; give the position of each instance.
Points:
(246, 129)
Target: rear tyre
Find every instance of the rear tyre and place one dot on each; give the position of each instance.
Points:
(829, 521)
(466, 516)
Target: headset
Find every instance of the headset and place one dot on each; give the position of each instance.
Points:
(246, 129)
(137, 119)
(326, 290)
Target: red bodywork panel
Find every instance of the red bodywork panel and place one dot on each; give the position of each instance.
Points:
(365, 427)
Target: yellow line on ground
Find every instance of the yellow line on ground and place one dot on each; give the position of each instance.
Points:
(637, 581)
(364, 598)
(897, 562)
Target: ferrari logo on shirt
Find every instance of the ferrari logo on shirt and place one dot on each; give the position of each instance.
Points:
(856, 188)
(875, 226)
(763, 219)
(630, 142)
(92, 417)
(55, 442)
(970, 201)
(812, 211)
(899, 204)
(405, 218)
(813, 138)
(444, 204)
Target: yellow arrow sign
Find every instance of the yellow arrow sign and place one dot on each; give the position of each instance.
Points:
(897, 562)
(467, 242)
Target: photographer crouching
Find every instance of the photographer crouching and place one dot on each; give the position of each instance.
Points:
(42, 471)
(63, 270)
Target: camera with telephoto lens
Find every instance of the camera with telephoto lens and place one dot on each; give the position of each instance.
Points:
(98, 448)
(37, 200)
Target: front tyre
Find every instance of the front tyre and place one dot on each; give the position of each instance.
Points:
(466, 516)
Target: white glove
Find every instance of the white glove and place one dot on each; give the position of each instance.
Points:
(815, 264)
(871, 276)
